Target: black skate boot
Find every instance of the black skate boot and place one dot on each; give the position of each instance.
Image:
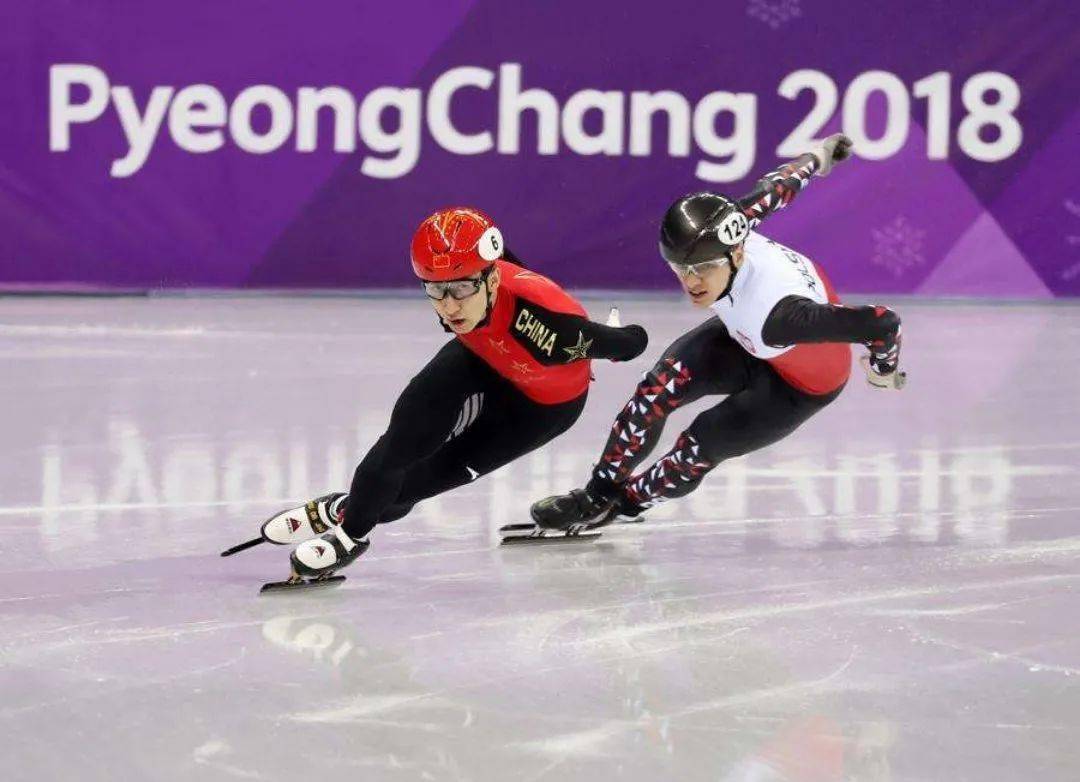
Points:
(577, 510)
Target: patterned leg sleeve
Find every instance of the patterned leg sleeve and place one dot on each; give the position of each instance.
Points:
(676, 474)
(639, 425)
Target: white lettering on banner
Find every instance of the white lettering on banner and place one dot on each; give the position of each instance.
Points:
(139, 129)
(62, 112)
(309, 101)
(610, 106)
(512, 101)
(281, 119)
(389, 122)
(825, 100)
(643, 105)
(195, 107)
(438, 110)
(404, 143)
(739, 147)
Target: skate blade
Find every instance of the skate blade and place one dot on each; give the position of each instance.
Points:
(517, 527)
(548, 540)
(242, 547)
(301, 584)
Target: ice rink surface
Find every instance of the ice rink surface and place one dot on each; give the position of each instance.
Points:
(889, 594)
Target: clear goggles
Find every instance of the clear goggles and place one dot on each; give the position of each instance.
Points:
(457, 289)
(699, 269)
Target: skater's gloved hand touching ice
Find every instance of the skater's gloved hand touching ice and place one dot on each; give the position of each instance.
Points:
(797, 320)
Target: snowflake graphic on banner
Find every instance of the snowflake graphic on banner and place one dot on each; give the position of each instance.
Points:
(774, 13)
(898, 246)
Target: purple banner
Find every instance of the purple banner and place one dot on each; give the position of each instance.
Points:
(265, 145)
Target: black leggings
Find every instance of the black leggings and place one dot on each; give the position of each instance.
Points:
(760, 409)
(456, 420)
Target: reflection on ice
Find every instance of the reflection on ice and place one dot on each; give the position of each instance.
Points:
(927, 495)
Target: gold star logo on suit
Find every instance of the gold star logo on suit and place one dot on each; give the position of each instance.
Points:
(499, 346)
(581, 349)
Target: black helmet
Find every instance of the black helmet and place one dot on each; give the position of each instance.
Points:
(701, 227)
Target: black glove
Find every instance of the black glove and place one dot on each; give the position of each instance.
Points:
(641, 338)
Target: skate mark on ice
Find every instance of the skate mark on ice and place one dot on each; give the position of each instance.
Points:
(351, 712)
(822, 605)
(766, 693)
(362, 708)
(957, 611)
(992, 656)
(576, 745)
(207, 755)
(66, 596)
(142, 635)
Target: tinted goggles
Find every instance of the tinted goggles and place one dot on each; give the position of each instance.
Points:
(457, 289)
(699, 269)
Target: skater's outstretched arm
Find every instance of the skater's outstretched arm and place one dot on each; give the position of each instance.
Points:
(776, 189)
(561, 337)
(797, 319)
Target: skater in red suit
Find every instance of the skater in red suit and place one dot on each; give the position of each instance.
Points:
(778, 350)
(514, 377)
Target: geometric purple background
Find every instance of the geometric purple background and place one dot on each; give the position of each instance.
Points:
(312, 220)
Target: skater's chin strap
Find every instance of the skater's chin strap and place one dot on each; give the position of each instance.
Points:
(731, 278)
(489, 296)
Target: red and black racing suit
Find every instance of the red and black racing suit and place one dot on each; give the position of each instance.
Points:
(509, 386)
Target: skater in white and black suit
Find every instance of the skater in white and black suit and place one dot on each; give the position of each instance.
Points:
(778, 348)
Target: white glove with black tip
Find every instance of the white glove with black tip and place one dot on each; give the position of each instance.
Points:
(834, 149)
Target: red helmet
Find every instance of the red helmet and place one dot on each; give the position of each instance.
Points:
(455, 243)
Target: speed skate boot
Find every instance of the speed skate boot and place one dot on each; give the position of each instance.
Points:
(579, 509)
(299, 524)
(323, 556)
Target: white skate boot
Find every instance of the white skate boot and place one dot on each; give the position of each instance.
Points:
(315, 562)
(326, 554)
(299, 524)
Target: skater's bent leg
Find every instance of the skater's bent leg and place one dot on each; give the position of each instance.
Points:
(765, 412)
(424, 416)
(703, 361)
(510, 431)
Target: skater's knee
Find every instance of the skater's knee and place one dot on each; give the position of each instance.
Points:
(666, 382)
(397, 450)
(723, 436)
